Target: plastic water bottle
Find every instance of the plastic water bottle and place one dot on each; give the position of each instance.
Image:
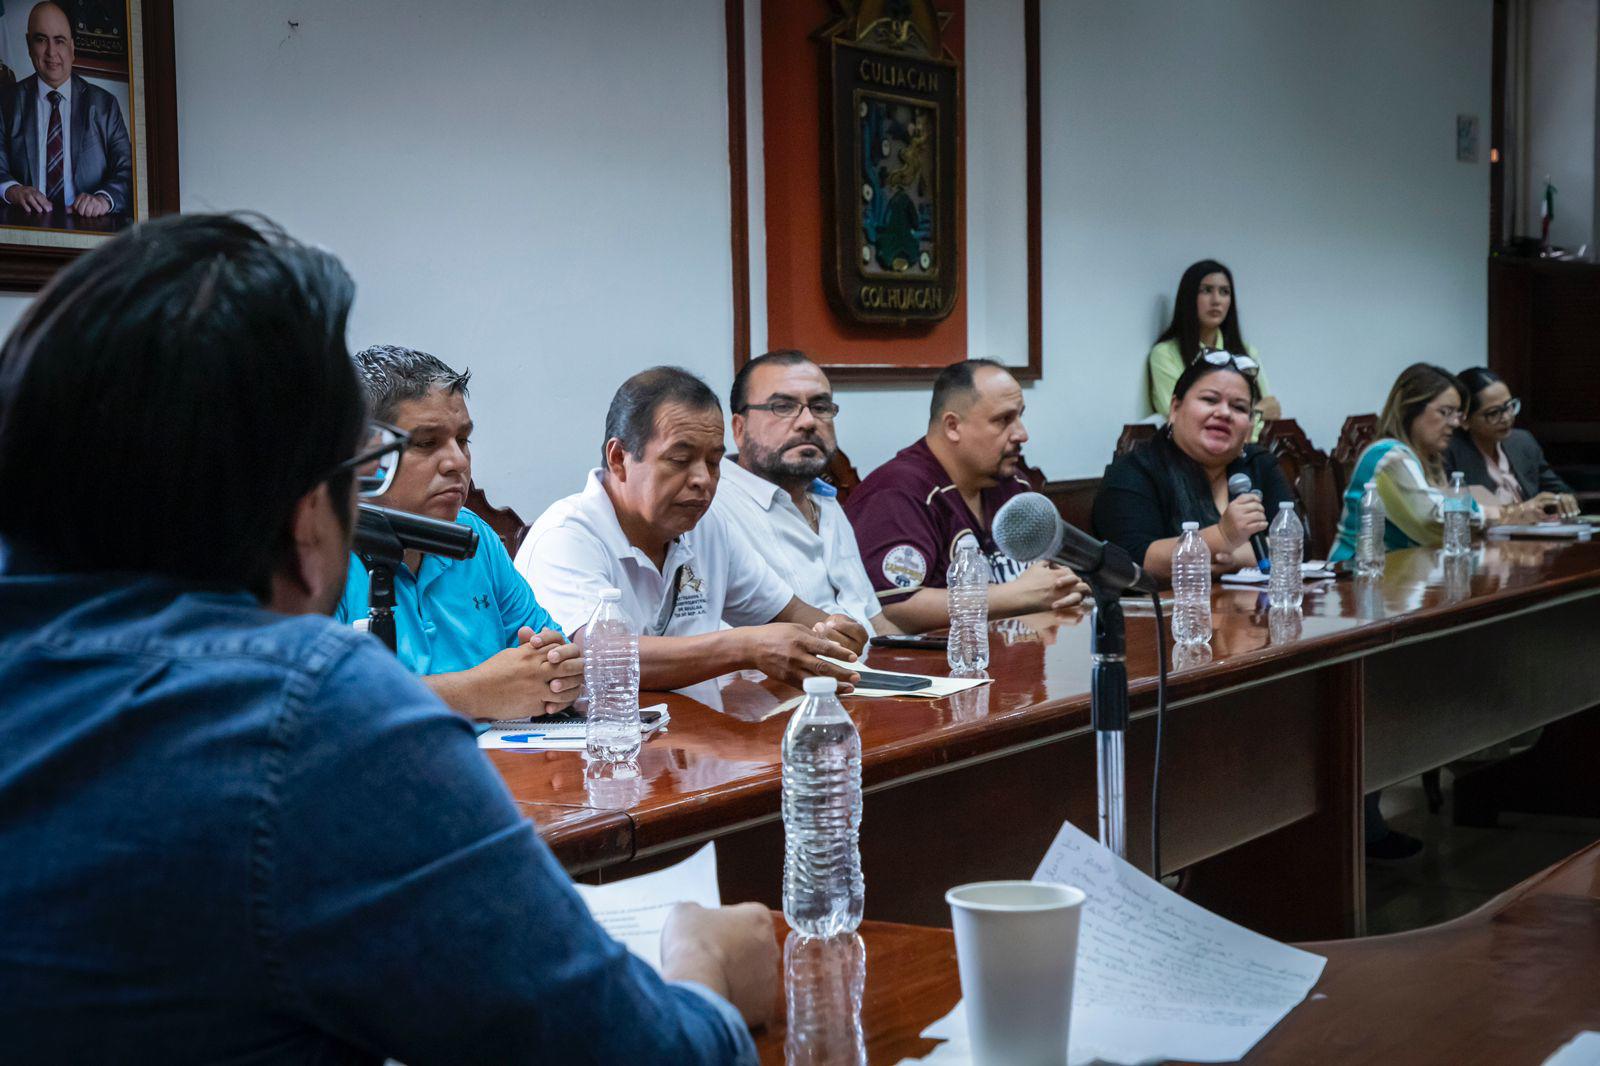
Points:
(823, 890)
(1457, 517)
(1286, 544)
(611, 679)
(1370, 552)
(1191, 588)
(967, 581)
(823, 980)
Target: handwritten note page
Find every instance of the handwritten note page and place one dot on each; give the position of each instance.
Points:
(1158, 977)
(633, 911)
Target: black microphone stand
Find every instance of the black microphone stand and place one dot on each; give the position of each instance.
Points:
(381, 553)
(1108, 688)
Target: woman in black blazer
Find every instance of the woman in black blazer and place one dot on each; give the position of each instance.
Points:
(1505, 465)
(1182, 475)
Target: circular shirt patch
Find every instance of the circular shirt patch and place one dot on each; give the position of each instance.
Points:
(904, 566)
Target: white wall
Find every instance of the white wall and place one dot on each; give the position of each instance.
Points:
(1309, 146)
(1561, 140)
(535, 191)
(540, 192)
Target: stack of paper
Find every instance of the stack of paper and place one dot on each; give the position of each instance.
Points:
(938, 686)
(1544, 531)
(633, 911)
(1310, 570)
(1158, 977)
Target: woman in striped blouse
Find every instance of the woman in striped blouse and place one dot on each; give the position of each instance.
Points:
(1423, 412)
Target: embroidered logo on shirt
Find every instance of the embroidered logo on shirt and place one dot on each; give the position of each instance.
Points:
(904, 567)
(481, 602)
(691, 594)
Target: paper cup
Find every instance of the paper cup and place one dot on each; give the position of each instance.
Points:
(1017, 946)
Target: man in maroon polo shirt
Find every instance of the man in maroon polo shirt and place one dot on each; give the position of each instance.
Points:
(910, 511)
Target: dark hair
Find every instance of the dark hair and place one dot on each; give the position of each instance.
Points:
(955, 380)
(1195, 371)
(392, 375)
(1185, 324)
(739, 394)
(1476, 379)
(168, 399)
(631, 418)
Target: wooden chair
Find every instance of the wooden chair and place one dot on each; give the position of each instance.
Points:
(1133, 434)
(1309, 473)
(1358, 432)
(841, 474)
(1074, 499)
(506, 523)
(1031, 474)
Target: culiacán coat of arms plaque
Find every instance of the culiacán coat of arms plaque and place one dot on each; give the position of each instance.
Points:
(893, 104)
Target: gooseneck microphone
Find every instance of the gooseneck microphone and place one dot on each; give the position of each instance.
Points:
(1028, 528)
(383, 536)
(379, 529)
(1240, 485)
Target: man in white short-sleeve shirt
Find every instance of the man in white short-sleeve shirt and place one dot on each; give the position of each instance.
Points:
(783, 428)
(643, 524)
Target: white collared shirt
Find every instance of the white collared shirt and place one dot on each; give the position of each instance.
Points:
(68, 193)
(577, 549)
(822, 566)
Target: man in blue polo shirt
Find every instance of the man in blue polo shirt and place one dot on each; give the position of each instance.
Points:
(472, 628)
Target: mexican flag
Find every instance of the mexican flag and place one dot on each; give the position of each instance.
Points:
(1547, 209)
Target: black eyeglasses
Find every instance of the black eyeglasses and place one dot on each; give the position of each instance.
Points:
(821, 410)
(377, 460)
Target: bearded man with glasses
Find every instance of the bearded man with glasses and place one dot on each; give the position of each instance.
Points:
(773, 494)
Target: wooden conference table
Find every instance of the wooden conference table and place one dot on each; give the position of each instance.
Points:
(1270, 744)
(1507, 984)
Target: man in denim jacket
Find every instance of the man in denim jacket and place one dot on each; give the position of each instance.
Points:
(232, 830)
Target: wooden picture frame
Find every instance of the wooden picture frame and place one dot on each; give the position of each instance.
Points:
(32, 251)
(900, 370)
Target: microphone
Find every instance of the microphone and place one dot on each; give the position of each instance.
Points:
(1028, 528)
(385, 532)
(1239, 485)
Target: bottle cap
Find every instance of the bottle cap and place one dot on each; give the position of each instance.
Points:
(820, 686)
(610, 595)
(1285, 505)
(1190, 525)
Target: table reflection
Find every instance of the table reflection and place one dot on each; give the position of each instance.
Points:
(1189, 656)
(824, 978)
(1456, 576)
(613, 786)
(1285, 624)
(972, 704)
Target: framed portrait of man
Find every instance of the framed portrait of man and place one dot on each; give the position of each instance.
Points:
(88, 128)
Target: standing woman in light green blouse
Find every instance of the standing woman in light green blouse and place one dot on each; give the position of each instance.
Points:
(1205, 315)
